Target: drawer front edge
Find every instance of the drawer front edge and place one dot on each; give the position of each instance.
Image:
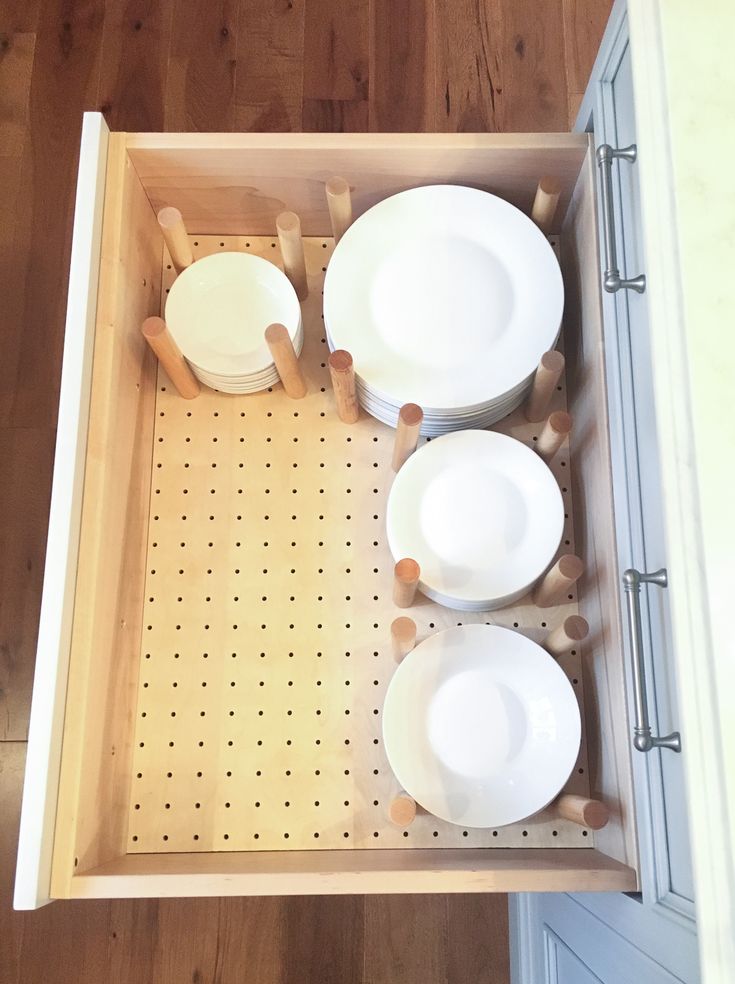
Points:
(33, 872)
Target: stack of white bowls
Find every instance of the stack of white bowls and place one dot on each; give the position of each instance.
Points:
(447, 297)
(217, 312)
(481, 514)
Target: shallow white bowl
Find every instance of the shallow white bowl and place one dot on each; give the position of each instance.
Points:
(481, 726)
(218, 309)
(481, 514)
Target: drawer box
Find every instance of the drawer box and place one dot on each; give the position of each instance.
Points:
(77, 836)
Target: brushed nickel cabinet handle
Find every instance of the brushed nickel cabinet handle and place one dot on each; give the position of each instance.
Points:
(612, 281)
(643, 740)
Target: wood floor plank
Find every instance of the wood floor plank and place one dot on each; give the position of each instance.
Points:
(16, 68)
(270, 45)
(134, 937)
(583, 24)
(251, 941)
(12, 764)
(33, 285)
(60, 943)
(528, 48)
(402, 66)
(336, 41)
(19, 16)
(134, 63)
(467, 68)
(406, 939)
(187, 942)
(27, 457)
(323, 940)
(200, 85)
(335, 116)
(477, 939)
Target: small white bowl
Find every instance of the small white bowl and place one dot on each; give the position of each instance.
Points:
(219, 308)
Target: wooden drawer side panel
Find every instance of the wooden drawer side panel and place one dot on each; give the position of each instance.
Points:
(92, 809)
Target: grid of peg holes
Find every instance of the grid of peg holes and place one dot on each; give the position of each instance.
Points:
(266, 637)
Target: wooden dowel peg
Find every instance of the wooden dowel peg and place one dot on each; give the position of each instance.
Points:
(403, 636)
(586, 812)
(174, 232)
(410, 418)
(288, 226)
(339, 203)
(557, 582)
(405, 582)
(343, 382)
(402, 810)
(568, 635)
(287, 363)
(169, 355)
(545, 203)
(555, 431)
(547, 376)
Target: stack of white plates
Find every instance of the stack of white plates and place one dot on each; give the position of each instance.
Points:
(447, 297)
(481, 514)
(217, 312)
(481, 726)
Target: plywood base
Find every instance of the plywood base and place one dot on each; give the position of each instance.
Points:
(266, 635)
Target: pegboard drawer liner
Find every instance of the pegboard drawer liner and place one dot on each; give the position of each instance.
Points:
(266, 634)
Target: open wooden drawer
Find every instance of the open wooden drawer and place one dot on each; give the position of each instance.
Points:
(81, 836)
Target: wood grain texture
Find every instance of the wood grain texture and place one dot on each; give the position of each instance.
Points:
(110, 570)
(58, 943)
(336, 50)
(335, 115)
(33, 281)
(584, 22)
(19, 16)
(402, 66)
(269, 92)
(325, 942)
(135, 50)
(528, 50)
(200, 84)
(468, 71)
(481, 955)
(407, 935)
(27, 457)
(16, 67)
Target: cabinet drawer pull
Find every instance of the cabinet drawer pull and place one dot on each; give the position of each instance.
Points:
(612, 281)
(643, 740)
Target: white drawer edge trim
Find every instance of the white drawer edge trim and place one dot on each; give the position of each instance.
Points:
(40, 790)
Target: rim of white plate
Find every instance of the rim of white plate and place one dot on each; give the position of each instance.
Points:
(444, 295)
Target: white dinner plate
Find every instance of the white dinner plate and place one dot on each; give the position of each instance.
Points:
(445, 296)
(481, 726)
(480, 513)
(218, 309)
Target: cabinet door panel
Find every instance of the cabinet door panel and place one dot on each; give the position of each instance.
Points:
(631, 369)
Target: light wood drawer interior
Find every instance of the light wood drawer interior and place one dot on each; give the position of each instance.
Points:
(106, 842)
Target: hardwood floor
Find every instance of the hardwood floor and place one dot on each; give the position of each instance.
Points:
(440, 65)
